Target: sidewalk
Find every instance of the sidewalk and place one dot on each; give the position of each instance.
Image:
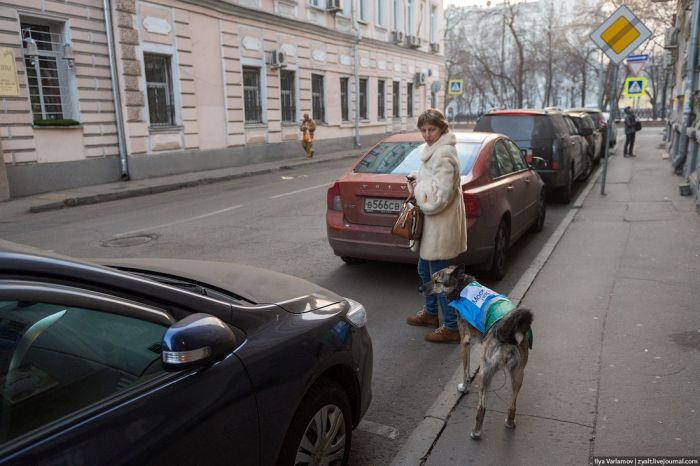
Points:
(126, 189)
(615, 368)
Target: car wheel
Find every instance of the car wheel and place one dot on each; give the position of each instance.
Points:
(541, 214)
(321, 431)
(589, 167)
(567, 190)
(500, 252)
(352, 260)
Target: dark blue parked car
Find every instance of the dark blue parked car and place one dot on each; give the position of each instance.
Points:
(174, 362)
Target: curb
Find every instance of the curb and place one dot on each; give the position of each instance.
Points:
(420, 442)
(166, 187)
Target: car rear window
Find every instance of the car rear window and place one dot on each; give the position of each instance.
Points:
(521, 128)
(402, 158)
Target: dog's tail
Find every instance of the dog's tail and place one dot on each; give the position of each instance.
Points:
(514, 327)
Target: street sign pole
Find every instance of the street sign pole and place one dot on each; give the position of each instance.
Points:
(611, 122)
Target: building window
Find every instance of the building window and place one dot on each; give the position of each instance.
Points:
(159, 90)
(433, 24)
(396, 99)
(317, 100)
(363, 10)
(251, 95)
(363, 99)
(398, 4)
(380, 12)
(381, 95)
(410, 20)
(48, 61)
(316, 3)
(344, 99)
(289, 110)
(409, 99)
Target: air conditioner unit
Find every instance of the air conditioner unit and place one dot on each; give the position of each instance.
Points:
(334, 6)
(414, 41)
(420, 78)
(435, 47)
(397, 36)
(277, 59)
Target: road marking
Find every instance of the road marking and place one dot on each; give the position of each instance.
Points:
(300, 190)
(184, 220)
(389, 432)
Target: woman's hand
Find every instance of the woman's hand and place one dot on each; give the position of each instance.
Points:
(411, 183)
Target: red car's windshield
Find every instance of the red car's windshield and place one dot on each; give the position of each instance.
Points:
(402, 158)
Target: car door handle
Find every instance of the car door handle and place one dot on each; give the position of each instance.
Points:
(510, 187)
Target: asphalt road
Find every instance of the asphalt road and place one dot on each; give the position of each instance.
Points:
(277, 221)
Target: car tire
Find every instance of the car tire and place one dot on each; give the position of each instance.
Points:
(589, 167)
(352, 260)
(321, 429)
(500, 251)
(566, 191)
(538, 225)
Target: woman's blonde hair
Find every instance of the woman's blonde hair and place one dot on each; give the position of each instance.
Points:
(434, 117)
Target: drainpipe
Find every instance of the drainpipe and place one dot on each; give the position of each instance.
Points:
(689, 89)
(121, 138)
(356, 46)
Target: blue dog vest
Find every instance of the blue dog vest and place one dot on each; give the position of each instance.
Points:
(483, 307)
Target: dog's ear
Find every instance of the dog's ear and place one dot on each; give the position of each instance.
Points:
(459, 270)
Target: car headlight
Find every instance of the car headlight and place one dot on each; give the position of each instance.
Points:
(357, 315)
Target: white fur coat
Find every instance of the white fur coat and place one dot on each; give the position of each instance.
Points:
(438, 193)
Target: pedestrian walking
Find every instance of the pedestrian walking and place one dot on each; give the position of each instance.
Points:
(632, 125)
(307, 127)
(437, 190)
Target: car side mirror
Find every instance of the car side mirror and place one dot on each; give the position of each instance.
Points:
(199, 340)
(586, 131)
(538, 163)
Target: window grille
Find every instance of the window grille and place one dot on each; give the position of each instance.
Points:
(159, 90)
(317, 98)
(395, 99)
(47, 66)
(251, 95)
(289, 110)
(380, 99)
(344, 107)
(363, 99)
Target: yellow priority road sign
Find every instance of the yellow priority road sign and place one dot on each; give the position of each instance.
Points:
(620, 34)
(635, 87)
(455, 86)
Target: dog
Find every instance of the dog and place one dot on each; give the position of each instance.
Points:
(506, 341)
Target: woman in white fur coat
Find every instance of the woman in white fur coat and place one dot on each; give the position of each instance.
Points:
(438, 191)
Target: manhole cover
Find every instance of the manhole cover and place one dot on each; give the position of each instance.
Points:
(127, 241)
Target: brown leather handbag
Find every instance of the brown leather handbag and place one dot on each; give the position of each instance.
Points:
(409, 225)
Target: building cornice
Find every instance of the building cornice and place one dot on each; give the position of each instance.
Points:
(278, 20)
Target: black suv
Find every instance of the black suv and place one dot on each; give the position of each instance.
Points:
(553, 144)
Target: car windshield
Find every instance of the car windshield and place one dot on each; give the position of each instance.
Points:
(402, 158)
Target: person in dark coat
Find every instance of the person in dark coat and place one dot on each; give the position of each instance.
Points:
(630, 131)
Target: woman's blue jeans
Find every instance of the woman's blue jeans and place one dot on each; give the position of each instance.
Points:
(425, 270)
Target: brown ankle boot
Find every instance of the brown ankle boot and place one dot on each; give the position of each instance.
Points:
(423, 319)
(443, 335)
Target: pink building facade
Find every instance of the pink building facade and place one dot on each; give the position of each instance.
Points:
(133, 89)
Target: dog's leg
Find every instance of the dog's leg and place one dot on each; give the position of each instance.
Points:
(464, 346)
(517, 373)
(487, 373)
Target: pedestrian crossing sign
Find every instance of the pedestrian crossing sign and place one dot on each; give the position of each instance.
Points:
(455, 86)
(635, 87)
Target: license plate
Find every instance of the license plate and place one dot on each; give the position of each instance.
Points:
(375, 205)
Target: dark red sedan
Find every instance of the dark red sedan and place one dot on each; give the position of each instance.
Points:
(504, 198)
